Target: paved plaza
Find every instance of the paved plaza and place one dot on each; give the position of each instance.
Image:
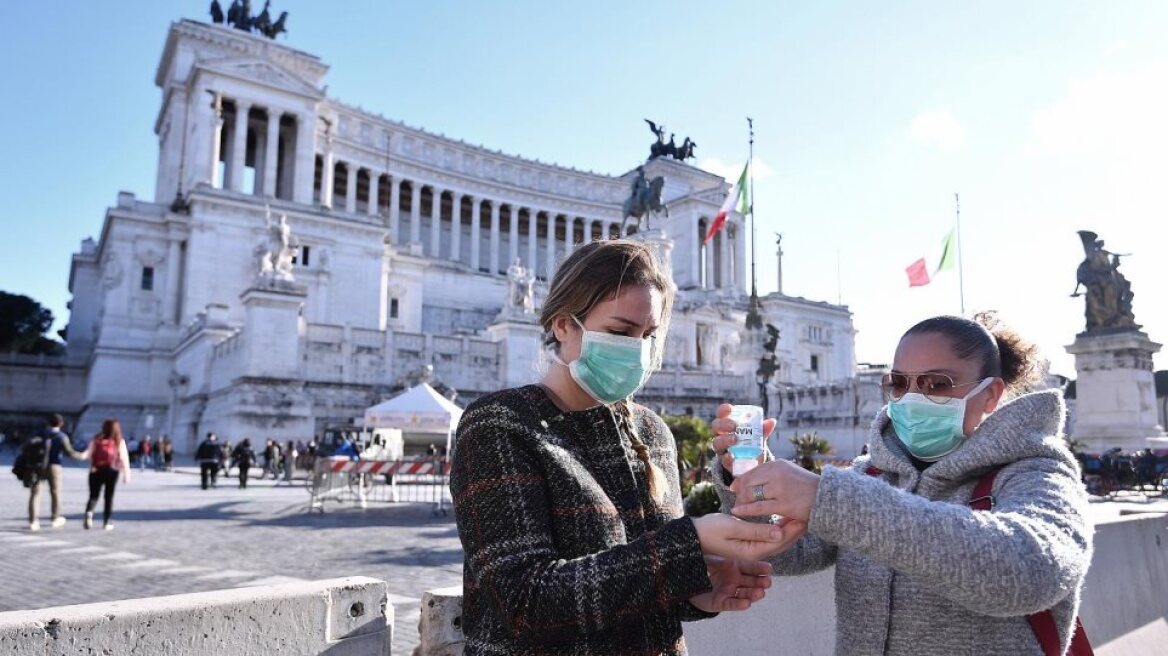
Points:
(172, 537)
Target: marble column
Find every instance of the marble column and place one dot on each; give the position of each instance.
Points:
(532, 233)
(550, 265)
(456, 226)
(724, 248)
(350, 187)
(374, 183)
(569, 234)
(415, 212)
(216, 141)
(513, 235)
(304, 168)
(170, 300)
(271, 153)
(476, 231)
(708, 264)
(238, 147)
(589, 224)
(695, 267)
(435, 222)
(327, 176)
(394, 207)
(493, 256)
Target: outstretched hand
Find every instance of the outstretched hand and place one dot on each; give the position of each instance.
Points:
(737, 584)
(729, 537)
(778, 487)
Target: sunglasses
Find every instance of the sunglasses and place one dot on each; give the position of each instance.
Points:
(938, 388)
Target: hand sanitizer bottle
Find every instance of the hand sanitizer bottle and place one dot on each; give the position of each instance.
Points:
(747, 449)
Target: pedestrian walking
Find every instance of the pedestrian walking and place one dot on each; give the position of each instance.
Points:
(207, 455)
(244, 457)
(289, 462)
(109, 459)
(225, 451)
(167, 453)
(267, 456)
(147, 458)
(39, 461)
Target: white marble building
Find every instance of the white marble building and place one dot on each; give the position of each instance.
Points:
(402, 242)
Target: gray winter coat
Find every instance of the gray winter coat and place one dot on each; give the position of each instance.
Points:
(919, 572)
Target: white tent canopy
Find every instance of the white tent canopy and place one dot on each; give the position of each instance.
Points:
(420, 411)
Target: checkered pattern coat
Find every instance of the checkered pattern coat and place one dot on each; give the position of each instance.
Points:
(565, 551)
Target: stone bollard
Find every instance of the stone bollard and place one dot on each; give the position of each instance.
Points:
(440, 626)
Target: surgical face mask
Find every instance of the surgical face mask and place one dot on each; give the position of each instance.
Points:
(930, 430)
(610, 367)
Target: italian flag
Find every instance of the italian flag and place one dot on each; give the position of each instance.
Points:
(735, 200)
(918, 272)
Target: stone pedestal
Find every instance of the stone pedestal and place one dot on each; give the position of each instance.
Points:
(1115, 393)
(272, 330)
(522, 340)
(660, 244)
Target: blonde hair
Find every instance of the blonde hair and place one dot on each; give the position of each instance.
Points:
(597, 272)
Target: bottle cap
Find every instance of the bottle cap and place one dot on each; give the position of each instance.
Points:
(743, 465)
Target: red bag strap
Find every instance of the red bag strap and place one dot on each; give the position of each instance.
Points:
(982, 499)
(1042, 623)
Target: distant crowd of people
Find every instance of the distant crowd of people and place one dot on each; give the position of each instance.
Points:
(112, 457)
(280, 461)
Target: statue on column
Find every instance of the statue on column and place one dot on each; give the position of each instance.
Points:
(644, 199)
(768, 365)
(239, 16)
(520, 289)
(662, 148)
(1108, 293)
(277, 251)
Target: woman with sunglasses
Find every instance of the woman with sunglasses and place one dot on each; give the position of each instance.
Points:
(566, 492)
(964, 530)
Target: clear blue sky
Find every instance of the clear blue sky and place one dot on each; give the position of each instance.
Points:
(1047, 117)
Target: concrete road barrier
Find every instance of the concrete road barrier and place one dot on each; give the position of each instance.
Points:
(1124, 609)
(335, 617)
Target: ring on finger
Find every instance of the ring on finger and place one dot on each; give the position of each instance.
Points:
(757, 493)
(736, 591)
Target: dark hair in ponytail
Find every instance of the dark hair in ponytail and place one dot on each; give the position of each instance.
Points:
(1002, 352)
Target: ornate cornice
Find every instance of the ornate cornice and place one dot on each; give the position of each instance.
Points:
(228, 41)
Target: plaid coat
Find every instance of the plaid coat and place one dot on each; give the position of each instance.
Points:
(565, 552)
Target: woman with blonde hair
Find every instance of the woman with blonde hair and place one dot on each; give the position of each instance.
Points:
(566, 492)
(108, 458)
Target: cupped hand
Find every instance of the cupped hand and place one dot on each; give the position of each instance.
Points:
(724, 438)
(737, 584)
(730, 537)
(784, 488)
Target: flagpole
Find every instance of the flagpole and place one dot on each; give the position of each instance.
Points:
(960, 259)
(753, 316)
(753, 232)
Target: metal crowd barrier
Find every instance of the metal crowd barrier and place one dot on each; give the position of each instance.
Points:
(425, 480)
